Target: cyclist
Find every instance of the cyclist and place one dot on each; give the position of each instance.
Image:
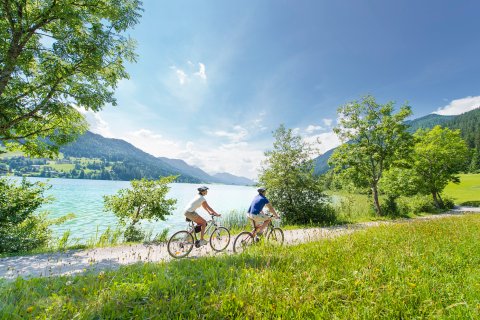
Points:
(257, 215)
(197, 202)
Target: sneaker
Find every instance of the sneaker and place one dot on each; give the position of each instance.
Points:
(202, 242)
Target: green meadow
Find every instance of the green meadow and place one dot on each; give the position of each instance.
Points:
(467, 192)
(416, 269)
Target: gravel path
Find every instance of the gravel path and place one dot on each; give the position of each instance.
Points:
(78, 261)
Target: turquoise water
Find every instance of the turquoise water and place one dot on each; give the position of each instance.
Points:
(84, 198)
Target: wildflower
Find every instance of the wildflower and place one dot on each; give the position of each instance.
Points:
(69, 282)
(30, 309)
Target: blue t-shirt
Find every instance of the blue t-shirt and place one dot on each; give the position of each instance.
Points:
(257, 204)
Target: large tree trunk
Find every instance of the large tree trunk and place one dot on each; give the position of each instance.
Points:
(375, 199)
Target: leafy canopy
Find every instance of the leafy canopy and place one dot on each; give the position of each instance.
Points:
(287, 173)
(20, 228)
(145, 199)
(374, 139)
(55, 55)
(439, 154)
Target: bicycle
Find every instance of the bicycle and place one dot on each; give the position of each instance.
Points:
(245, 238)
(182, 242)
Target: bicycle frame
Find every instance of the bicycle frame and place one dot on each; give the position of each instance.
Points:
(208, 230)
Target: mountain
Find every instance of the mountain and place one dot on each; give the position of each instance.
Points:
(188, 169)
(228, 178)
(468, 123)
(225, 178)
(128, 162)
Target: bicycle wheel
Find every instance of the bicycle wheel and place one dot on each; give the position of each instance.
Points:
(220, 239)
(276, 236)
(180, 244)
(242, 241)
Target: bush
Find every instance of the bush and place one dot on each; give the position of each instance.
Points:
(448, 203)
(416, 204)
(390, 207)
(20, 228)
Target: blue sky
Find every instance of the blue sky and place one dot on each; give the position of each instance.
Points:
(214, 78)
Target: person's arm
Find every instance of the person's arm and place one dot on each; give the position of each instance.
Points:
(209, 209)
(270, 208)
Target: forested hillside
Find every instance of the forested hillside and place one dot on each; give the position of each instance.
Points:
(92, 156)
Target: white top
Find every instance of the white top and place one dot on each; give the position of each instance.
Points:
(195, 203)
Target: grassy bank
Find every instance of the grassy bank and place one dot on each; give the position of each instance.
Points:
(410, 270)
(467, 192)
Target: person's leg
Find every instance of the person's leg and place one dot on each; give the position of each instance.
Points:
(203, 223)
(195, 217)
(261, 221)
(264, 226)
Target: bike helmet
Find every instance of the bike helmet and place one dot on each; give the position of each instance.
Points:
(262, 189)
(202, 188)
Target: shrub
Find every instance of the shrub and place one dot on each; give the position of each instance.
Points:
(416, 204)
(20, 228)
(145, 200)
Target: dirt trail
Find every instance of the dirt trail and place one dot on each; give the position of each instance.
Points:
(78, 261)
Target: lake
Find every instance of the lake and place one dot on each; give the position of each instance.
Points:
(84, 198)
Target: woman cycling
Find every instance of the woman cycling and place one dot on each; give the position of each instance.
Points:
(197, 201)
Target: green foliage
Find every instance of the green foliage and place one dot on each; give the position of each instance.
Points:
(352, 207)
(55, 55)
(415, 270)
(439, 154)
(20, 228)
(287, 173)
(416, 205)
(146, 199)
(375, 139)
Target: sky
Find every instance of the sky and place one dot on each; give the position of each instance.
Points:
(214, 79)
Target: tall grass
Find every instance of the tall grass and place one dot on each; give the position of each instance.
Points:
(403, 271)
(235, 220)
(352, 207)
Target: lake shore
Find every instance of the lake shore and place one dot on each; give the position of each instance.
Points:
(95, 260)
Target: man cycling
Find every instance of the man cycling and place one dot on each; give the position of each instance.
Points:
(257, 215)
(197, 202)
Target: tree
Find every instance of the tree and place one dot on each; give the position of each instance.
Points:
(146, 199)
(474, 165)
(439, 154)
(374, 139)
(20, 228)
(287, 173)
(55, 55)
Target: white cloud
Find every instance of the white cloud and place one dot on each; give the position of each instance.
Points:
(201, 72)
(327, 140)
(181, 76)
(96, 123)
(311, 129)
(327, 122)
(459, 106)
(210, 157)
(236, 135)
(154, 143)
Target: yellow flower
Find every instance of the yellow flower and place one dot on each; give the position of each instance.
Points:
(30, 309)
